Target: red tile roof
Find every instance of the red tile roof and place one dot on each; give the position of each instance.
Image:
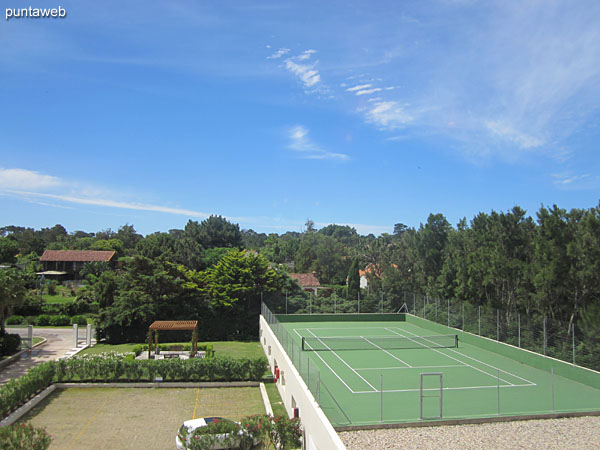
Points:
(306, 279)
(78, 255)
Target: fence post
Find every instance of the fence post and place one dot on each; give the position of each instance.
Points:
(498, 391)
(382, 303)
(448, 313)
(286, 302)
(88, 335)
(463, 316)
(498, 325)
(335, 305)
(553, 390)
(309, 304)
(544, 335)
(29, 336)
(75, 335)
(414, 304)
(479, 319)
(573, 344)
(358, 301)
(519, 320)
(381, 399)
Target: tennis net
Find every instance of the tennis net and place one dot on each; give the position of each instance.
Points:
(378, 342)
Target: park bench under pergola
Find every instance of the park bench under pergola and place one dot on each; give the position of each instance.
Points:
(172, 325)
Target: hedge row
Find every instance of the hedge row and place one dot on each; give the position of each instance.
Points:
(93, 368)
(46, 319)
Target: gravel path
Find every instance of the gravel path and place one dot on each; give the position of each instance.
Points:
(571, 433)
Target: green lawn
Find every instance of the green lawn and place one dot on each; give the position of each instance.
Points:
(233, 349)
(57, 299)
(275, 399)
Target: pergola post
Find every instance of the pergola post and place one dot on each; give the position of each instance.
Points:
(172, 325)
(194, 341)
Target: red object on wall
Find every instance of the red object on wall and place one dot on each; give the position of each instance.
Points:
(296, 413)
(276, 373)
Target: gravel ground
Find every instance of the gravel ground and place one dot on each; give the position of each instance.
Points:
(571, 433)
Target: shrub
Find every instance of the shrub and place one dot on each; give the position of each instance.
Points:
(43, 320)
(52, 288)
(16, 320)
(24, 436)
(9, 344)
(79, 320)
(278, 431)
(60, 320)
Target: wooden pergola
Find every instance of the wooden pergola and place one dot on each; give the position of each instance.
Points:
(172, 325)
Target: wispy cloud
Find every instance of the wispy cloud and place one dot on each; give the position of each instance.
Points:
(300, 66)
(300, 142)
(27, 179)
(507, 132)
(388, 115)
(279, 53)
(570, 181)
(359, 87)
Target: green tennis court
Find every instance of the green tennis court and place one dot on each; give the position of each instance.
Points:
(374, 371)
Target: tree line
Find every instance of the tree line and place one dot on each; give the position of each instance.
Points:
(546, 265)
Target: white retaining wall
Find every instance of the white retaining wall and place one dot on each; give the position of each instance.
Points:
(319, 432)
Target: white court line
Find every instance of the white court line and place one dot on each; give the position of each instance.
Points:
(463, 388)
(328, 366)
(448, 356)
(384, 350)
(483, 363)
(348, 365)
(411, 367)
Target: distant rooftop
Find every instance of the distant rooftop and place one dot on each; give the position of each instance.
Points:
(77, 255)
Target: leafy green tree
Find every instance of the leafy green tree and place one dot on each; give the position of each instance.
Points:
(324, 255)
(157, 245)
(353, 280)
(109, 244)
(8, 250)
(341, 233)
(128, 236)
(217, 231)
(13, 289)
(431, 243)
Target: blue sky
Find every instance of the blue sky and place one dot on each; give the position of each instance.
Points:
(272, 112)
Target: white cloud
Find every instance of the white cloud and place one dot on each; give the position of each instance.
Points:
(570, 181)
(388, 115)
(306, 54)
(305, 72)
(359, 87)
(279, 53)
(508, 133)
(368, 91)
(300, 142)
(110, 203)
(26, 179)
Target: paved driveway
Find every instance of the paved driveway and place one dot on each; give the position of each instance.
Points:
(59, 343)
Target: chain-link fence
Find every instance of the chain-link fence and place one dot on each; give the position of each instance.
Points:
(540, 334)
(309, 372)
(392, 396)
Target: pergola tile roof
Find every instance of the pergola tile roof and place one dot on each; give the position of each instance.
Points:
(77, 255)
(173, 325)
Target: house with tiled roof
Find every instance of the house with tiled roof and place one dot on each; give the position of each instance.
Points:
(307, 281)
(66, 264)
